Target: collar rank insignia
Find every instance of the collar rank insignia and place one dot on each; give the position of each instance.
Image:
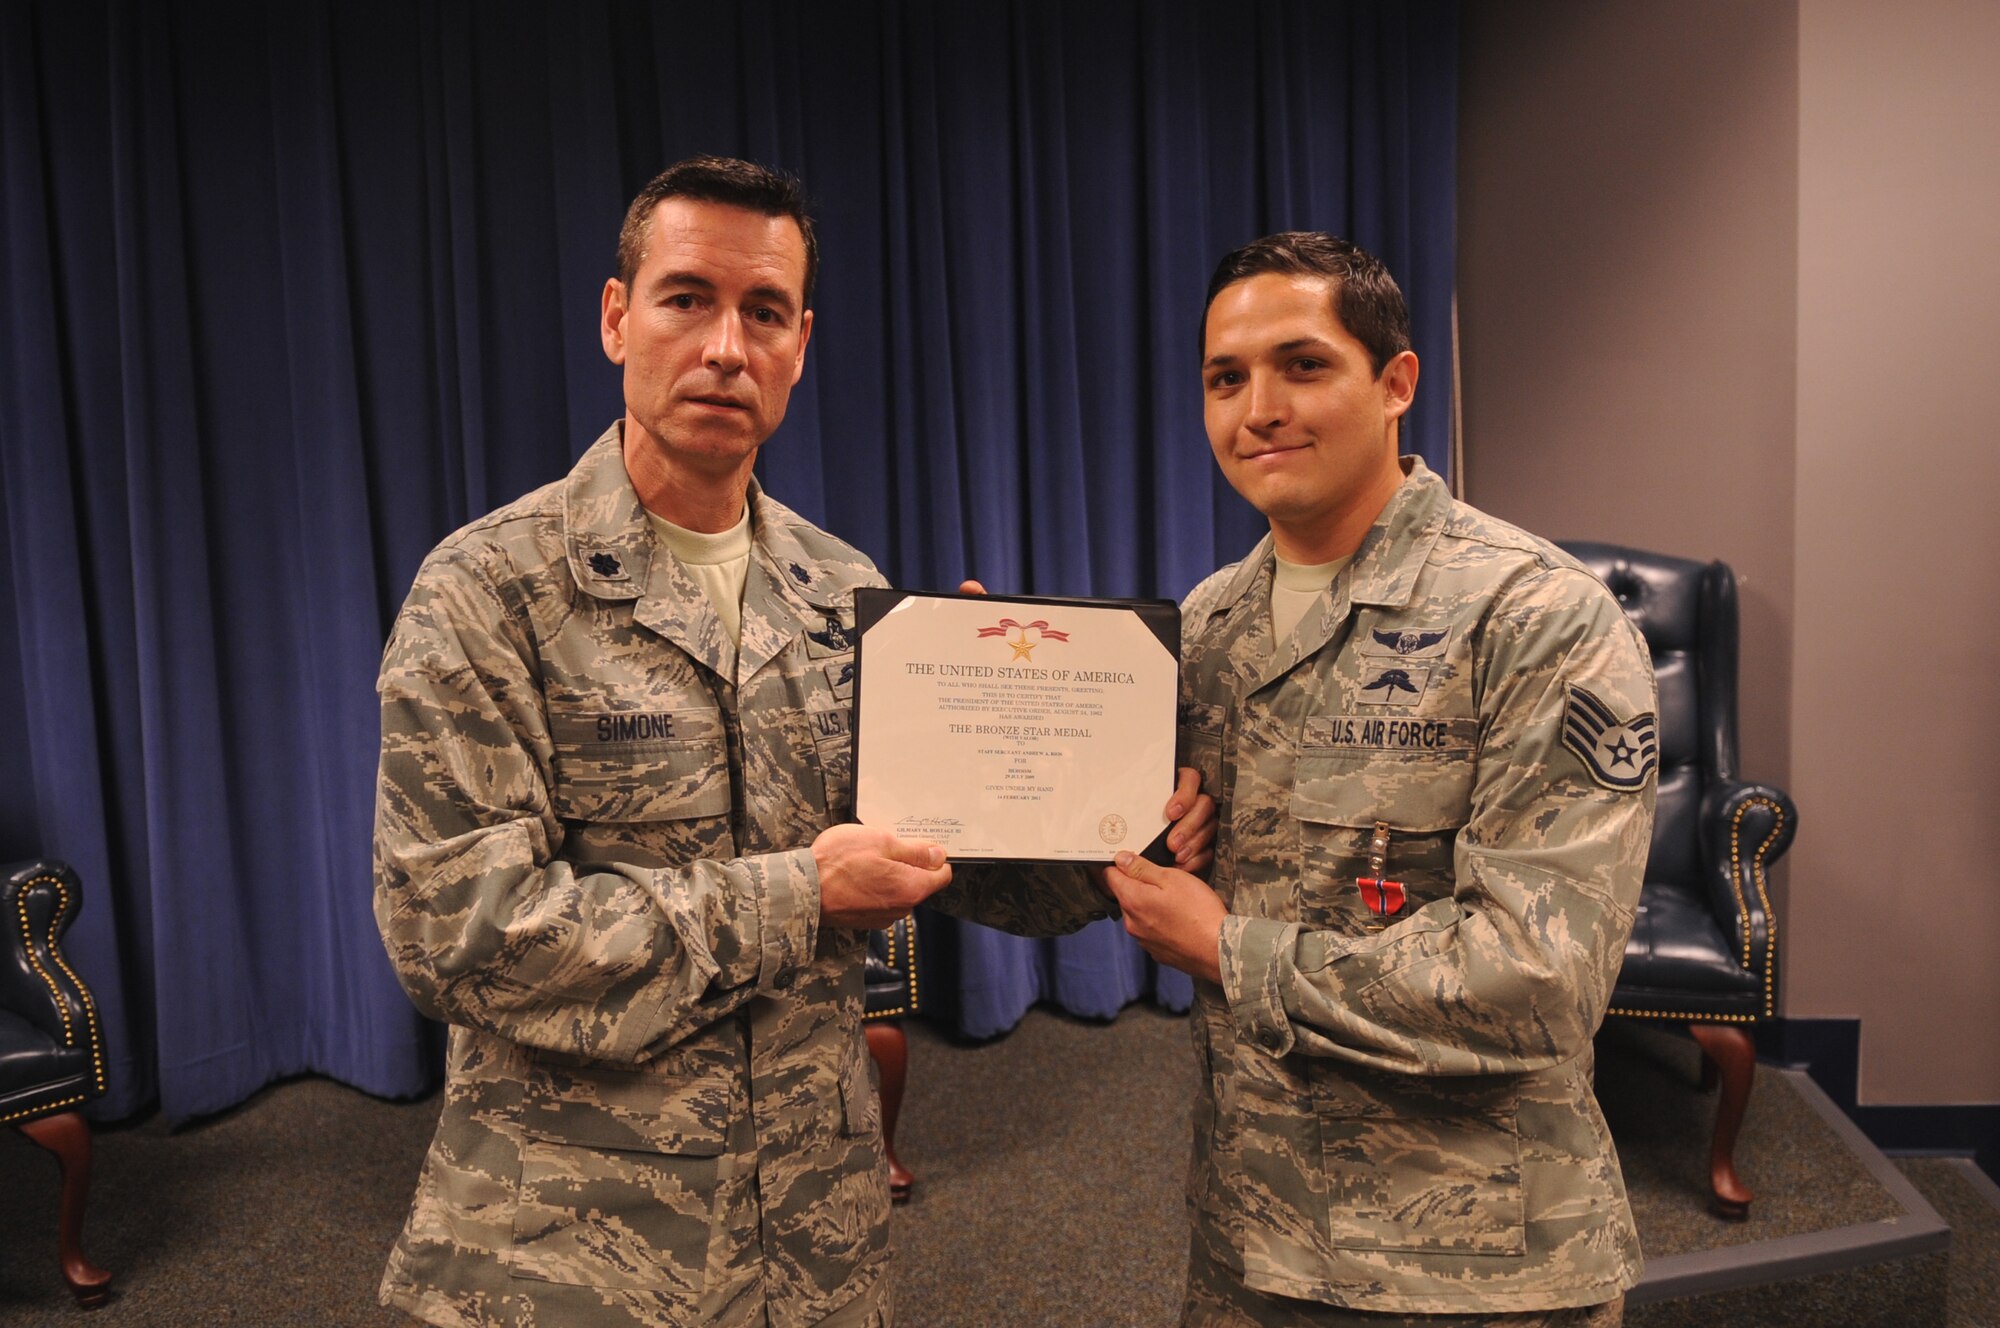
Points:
(1385, 898)
(607, 566)
(800, 574)
(1619, 754)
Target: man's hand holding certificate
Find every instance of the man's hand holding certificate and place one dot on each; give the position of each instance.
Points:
(1017, 729)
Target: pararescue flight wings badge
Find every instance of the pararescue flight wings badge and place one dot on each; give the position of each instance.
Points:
(1619, 753)
(1394, 685)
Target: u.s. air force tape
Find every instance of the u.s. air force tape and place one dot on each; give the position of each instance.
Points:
(1391, 733)
(1619, 753)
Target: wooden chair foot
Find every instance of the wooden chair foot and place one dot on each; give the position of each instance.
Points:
(1735, 1058)
(67, 1135)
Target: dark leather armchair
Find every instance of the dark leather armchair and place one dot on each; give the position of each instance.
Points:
(891, 992)
(1704, 947)
(51, 1046)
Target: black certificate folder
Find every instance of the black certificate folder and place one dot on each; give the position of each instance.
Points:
(1016, 728)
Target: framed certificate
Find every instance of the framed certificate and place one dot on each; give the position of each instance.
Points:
(1016, 729)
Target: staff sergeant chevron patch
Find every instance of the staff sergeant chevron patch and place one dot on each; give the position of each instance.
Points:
(1620, 754)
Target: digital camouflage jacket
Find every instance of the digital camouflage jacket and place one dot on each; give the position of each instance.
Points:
(592, 862)
(1397, 1114)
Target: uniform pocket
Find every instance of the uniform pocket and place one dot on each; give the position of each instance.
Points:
(1415, 792)
(618, 1180)
(860, 1105)
(1205, 1096)
(1419, 1164)
(836, 1206)
(1201, 743)
(1337, 799)
(656, 781)
(833, 753)
(599, 1217)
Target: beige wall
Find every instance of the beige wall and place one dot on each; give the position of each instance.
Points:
(1895, 705)
(1627, 231)
(1685, 325)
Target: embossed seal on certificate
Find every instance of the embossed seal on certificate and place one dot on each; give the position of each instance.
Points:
(1112, 829)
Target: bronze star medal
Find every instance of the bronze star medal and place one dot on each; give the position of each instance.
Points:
(1385, 898)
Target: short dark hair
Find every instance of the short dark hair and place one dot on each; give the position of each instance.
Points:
(726, 180)
(1366, 299)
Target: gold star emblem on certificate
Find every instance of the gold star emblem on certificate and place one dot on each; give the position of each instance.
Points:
(1023, 647)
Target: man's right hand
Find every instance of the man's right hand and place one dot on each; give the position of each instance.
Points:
(868, 878)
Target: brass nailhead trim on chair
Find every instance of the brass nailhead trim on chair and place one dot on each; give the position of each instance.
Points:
(62, 1006)
(1770, 921)
(1763, 897)
(1686, 1017)
(28, 943)
(44, 1109)
(909, 958)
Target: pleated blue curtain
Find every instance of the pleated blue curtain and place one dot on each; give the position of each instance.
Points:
(293, 291)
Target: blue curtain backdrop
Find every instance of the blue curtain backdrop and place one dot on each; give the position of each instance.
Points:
(291, 291)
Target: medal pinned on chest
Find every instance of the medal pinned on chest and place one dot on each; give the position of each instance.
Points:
(1385, 898)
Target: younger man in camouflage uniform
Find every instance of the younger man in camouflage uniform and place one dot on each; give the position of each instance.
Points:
(610, 839)
(1431, 742)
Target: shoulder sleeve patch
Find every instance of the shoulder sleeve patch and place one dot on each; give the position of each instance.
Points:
(1620, 754)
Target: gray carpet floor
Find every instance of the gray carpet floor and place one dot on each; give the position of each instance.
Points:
(1967, 1199)
(1803, 1178)
(1049, 1167)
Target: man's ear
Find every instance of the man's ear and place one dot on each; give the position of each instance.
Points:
(611, 320)
(805, 335)
(1399, 383)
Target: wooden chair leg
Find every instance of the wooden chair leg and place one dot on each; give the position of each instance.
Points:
(68, 1136)
(890, 1048)
(1735, 1057)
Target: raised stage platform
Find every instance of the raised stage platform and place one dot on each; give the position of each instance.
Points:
(1836, 1238)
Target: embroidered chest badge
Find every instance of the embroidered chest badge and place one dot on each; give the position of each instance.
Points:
(833, 639)
(1619, 754)
(1394, 684)
(1409, 645)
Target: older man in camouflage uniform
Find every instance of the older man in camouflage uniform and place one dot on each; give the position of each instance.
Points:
(609, 840)
(1431, 740)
